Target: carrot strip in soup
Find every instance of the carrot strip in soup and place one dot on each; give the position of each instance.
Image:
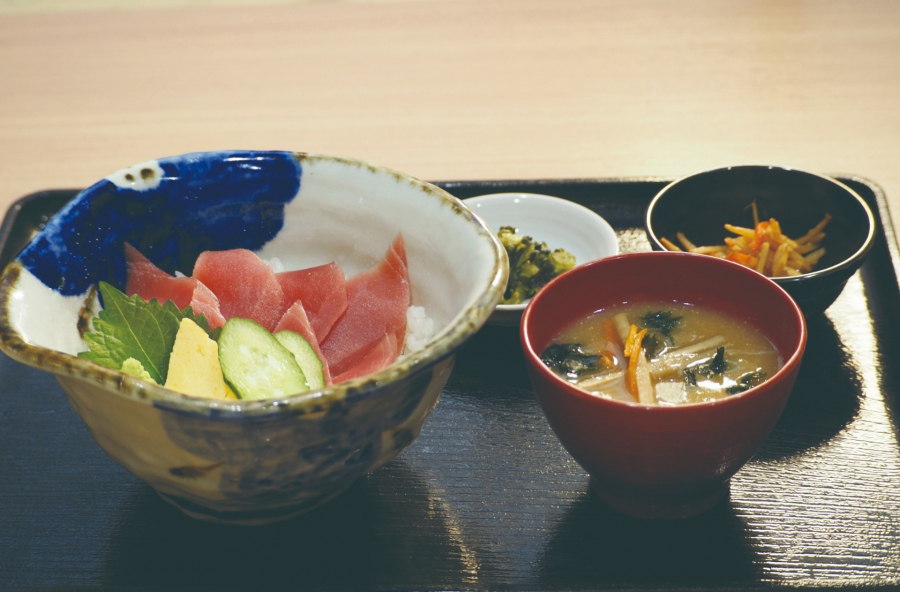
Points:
(631, 378)
(629, 343)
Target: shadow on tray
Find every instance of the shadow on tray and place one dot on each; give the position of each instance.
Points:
(351, 543)
(493, 356)
(595, 546)
(825, 399)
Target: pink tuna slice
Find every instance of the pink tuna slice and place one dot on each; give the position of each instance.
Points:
(149, 281)
(323, 292)
(381, 356)
(244, 284)
(296, 320)
(377, 300)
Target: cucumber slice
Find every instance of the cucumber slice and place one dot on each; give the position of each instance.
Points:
(306, 357)
(255, 364)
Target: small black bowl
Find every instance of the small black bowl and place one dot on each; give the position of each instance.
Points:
(700, 204)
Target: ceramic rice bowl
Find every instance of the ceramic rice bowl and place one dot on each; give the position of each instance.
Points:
(251, 462)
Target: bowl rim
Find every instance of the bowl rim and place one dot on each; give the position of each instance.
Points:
(441, 345)
(849, 263)
(790, 363)
(574, 206)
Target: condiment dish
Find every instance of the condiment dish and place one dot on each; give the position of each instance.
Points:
(658, 461)
(699, 205)
(553, 220)
(251, 461)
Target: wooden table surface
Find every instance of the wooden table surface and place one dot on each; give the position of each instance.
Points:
(453, 89)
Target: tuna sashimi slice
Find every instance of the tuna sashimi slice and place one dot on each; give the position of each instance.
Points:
(205, 302)
(380, 356)
(377, 300)
(149, 281)
(244, 284)
(323, 292)
(296, 320)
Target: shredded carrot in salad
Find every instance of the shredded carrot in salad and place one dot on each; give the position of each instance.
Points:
(764, 247)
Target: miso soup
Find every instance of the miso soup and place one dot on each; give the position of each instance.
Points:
(662, 353)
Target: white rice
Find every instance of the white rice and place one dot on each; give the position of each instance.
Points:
(275, 263)
(419, 329)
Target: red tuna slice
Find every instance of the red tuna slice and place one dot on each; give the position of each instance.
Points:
(323, 292)
(244, 284)
(296, 320)
(381, 356)
(377, 300)
(205, 302)
(148, 281)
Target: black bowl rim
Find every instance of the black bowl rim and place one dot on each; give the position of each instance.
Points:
(849, 264)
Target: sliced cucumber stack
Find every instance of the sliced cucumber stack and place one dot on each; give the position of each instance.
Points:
(306, 357)
(255, 364)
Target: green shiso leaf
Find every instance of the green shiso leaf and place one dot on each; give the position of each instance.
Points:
(130, 327)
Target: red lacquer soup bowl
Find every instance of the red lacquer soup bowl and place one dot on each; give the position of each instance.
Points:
(654, 461)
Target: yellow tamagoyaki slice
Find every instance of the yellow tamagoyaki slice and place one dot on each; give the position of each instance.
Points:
(194, 364)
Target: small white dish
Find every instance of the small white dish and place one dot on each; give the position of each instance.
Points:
(560, 223)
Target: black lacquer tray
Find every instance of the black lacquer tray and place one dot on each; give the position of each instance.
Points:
(486, 498)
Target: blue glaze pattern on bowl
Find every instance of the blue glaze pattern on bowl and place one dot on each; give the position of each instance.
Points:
(157, 207)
